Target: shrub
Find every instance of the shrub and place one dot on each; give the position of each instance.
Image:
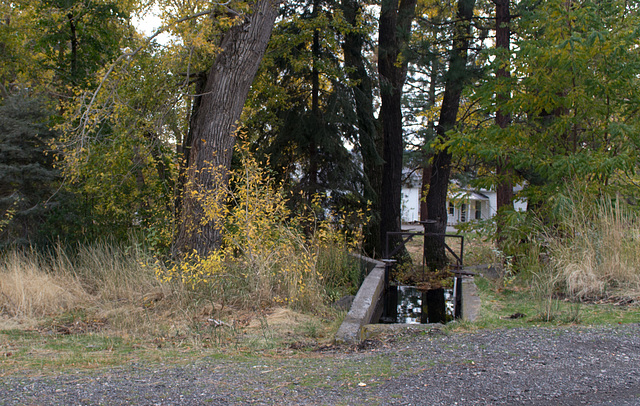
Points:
(270, 255)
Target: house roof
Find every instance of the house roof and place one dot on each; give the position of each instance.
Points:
(477, 196)
(470, 195)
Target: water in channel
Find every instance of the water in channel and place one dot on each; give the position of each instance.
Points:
(410, 305)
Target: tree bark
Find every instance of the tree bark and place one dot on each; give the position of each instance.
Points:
(504, 189)
(457, 76)
(369, 136)
(394, 33)
(214, 125)
(312, 176)
(426, 152)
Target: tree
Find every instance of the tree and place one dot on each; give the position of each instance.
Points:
(301, 106)
(27, 176)
(504, 189)
(456, 78)
(369, 131)
(428, 59)
(78, 37)
(53, 52)
(394, 33)
(214, 123)
(573, 87)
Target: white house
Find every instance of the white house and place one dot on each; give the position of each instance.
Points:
(463, 204)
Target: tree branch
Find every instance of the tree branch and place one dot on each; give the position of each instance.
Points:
(85, 116)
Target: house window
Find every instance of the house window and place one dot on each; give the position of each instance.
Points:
(452, 209)
(478, 210)
(463, 213)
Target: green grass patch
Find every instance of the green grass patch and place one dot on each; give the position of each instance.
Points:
(516, 306)
(28, 352)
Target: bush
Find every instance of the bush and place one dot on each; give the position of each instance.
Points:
(270, 255)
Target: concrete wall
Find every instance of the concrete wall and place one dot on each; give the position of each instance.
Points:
(367, 304)
(470, 299)
(363, 309)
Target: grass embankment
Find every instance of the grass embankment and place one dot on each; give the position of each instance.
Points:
(56, 315)
(104, 305)
(516, 305)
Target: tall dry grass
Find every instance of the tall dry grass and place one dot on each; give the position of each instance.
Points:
(29, 289)
(102, 281)
(116, 290)
(599, 255)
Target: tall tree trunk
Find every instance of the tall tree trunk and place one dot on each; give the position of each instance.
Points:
(73, 38)
(426, 150)
(312, 176)
(369, 136)
(394, 33)
(504, 189)
(214, 125)
(457, 76)
(184, 148)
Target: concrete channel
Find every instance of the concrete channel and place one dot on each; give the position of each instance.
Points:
(361, 321)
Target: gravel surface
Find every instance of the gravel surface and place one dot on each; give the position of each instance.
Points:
(532, 366)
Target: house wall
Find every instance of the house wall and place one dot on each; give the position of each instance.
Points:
(518, 205)
(470, 215)
(410, 204)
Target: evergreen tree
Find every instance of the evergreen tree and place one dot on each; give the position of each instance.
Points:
(302, 106)
(27, 177)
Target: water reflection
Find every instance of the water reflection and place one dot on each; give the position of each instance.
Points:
(409, 305)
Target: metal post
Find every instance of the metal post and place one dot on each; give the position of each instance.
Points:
(388, 264)
(457, 296)
(429, 228)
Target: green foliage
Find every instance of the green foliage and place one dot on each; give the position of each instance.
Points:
(27, 177)
(301, 111)
(79, 37)
(573, 93)
(119, 155)
(56, 44)
(118, 176)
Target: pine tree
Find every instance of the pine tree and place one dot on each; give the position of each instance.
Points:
(27, 176)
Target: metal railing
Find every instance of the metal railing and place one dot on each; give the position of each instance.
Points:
(459, 257)
(456, 267)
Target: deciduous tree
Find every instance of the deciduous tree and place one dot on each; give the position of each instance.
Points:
(214, 123)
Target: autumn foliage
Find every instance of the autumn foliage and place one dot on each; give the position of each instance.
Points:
(270, 252)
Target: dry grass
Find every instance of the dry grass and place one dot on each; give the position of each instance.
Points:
(99, 283)
(113, 291)
(28, 291)
(601, 256)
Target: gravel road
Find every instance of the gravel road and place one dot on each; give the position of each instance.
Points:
(532, 366)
